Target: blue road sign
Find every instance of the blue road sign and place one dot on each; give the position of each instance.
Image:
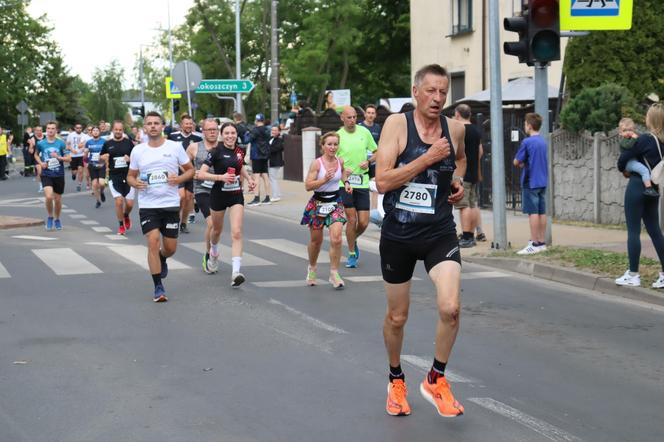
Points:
(595, 8)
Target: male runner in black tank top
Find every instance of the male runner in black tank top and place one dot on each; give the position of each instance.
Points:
(420, 161)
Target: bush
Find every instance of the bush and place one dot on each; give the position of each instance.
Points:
(599, 109)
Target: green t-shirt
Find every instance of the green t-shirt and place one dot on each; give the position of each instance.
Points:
(355, 148)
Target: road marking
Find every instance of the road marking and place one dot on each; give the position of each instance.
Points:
(116, 237)
(89, 222)
(425, 365)
(35, 238)
(3, 272)
(291, 248)
(68, 211)
(310, 319)
(102, 244)
(248, 260)
(139, 255)
(102, 229)
(539, 426)
(77, 216)
(64, 261)
(369, 245)
(483, 275)
(286, 284)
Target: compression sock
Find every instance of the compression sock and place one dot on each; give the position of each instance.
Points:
(396, 373)
(437, 371)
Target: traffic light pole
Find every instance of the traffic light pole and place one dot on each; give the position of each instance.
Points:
(497, 147)
(542, 108)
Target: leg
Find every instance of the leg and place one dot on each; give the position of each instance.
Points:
(446, 276)
(119, 208)
(183, 204)
(236, 214)
(541, 237)
(336, 230)
(154, 261)
(315, 242)
(362, 222)
(48, 200)
(466, 223)
(351, 228)
(57, 205)
(398, 302)
(217, 218)
(208, 232)
(266, 183)
(651, 222)
(95, 188)
(129, 205)
(634, 208)
(257, 180)
(169, 246)
(534, 224)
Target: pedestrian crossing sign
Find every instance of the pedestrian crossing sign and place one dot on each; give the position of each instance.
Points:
(171, 91)
(595, 15)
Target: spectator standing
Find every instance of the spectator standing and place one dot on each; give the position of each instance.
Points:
(469, 211)
(532, 158)
(28, 158)
(259, 138)
(5, 146)
(276, 161)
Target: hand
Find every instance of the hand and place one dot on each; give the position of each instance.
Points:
(228, 178)
(126, 158)
(348, 187)
(364, 165)
(252, 184)
(438, 151)
(457, 194)
(54, 155)
(140, 185)
(626, 174)
(196, 175)
(173, 179)
(329, 175)
(43, 165)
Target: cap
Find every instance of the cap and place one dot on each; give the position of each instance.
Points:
(260, 117)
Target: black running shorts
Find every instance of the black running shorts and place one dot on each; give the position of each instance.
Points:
(398, 259)
(75, 163)
(358, 200)
(167, 220)
(220, 200)
(56, 182)
(203, 201)
(97, 173)
(187, 185)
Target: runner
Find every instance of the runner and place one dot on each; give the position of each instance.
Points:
(356, 147)
(96, 166)
(417, 172)
(50, 154)
(226, 193)
(37, 136)
(116, 153)
(158, 162)
(73, 142)
(326, 208)
(87, 135)
(199, 152)
(185, 136)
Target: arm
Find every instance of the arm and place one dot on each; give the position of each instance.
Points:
(392, 143)
(460, 161)
(245, 176)
(632, 153)
(204, 174)
(134, 181)
(520, 157)
(310, 182)
(371, 147)
(344, 177)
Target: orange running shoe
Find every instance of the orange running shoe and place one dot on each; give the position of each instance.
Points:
(397, 405)
(440, 396)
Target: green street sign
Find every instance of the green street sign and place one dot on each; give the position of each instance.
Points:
(225, 86)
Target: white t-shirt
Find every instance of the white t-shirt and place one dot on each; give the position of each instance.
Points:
(72, 142)
(154, 164)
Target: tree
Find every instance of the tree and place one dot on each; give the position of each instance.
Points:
(598, 109)
(104, 101)
(631, 58)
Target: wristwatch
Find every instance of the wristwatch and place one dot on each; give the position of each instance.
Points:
(458, 178)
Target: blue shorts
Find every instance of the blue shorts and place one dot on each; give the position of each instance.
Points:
(534, 201)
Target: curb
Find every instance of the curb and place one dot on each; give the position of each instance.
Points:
(14, 222)
(571, 277)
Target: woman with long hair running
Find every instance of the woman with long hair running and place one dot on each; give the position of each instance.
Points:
(325, 208)
(226, 194)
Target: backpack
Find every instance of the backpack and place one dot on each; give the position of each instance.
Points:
(657, 174)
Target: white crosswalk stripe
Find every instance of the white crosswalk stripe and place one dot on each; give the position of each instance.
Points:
(139, 255)
(3, 272)
(248, 260)
(291, 248)
(65, 261)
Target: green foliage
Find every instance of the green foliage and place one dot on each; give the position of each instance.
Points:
(598, 109)
(631, 58)
(104, 100)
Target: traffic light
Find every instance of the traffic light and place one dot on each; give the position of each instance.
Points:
(539, 33)
(517, 48)
(544, 31)
(176, 106)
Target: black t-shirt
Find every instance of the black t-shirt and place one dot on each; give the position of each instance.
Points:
(374, 129)
(472, 141)
(185, 139)
(221, 158)
(117, 149)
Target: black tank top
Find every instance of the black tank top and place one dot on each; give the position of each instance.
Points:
(419, 210)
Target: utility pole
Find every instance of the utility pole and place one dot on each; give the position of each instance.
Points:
(274, 71)
(170, 60)
(140, 74)
(542, 108)
(497, 148)
(238, 73)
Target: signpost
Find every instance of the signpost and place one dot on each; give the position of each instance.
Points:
(596, 15)
(187, 76)
(225, 86)
(22, 119)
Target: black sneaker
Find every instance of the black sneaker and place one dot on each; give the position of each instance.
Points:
(103, 196)
(255, 202)
(465, 243)
(164, 267)
(184, 228)
(651, 192)
(480, 237)
(266, 201)
(97, 204)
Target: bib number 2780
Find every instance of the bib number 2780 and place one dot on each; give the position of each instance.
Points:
(418, 198)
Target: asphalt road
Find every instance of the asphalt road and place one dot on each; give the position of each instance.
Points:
(86, 355)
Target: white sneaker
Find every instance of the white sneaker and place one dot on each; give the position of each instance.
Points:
(633, 281)
(274, 200)
(660, 282)
(541, 248)
(237, 279)
(213, 263)
(530, 249)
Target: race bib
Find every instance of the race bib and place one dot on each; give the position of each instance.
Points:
(120, 162)
(324, 209)
(235, 185)
(157, 178)
(355, 180)
(94, 157)
(53, 164)
(418, 198)
(207, 184)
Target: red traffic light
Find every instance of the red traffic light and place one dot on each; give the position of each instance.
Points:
(544, 13)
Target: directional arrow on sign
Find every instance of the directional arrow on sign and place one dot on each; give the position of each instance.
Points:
(225, 86)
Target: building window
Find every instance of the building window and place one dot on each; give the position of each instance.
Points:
(458, 86)
(517, 6)
(462, 16)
